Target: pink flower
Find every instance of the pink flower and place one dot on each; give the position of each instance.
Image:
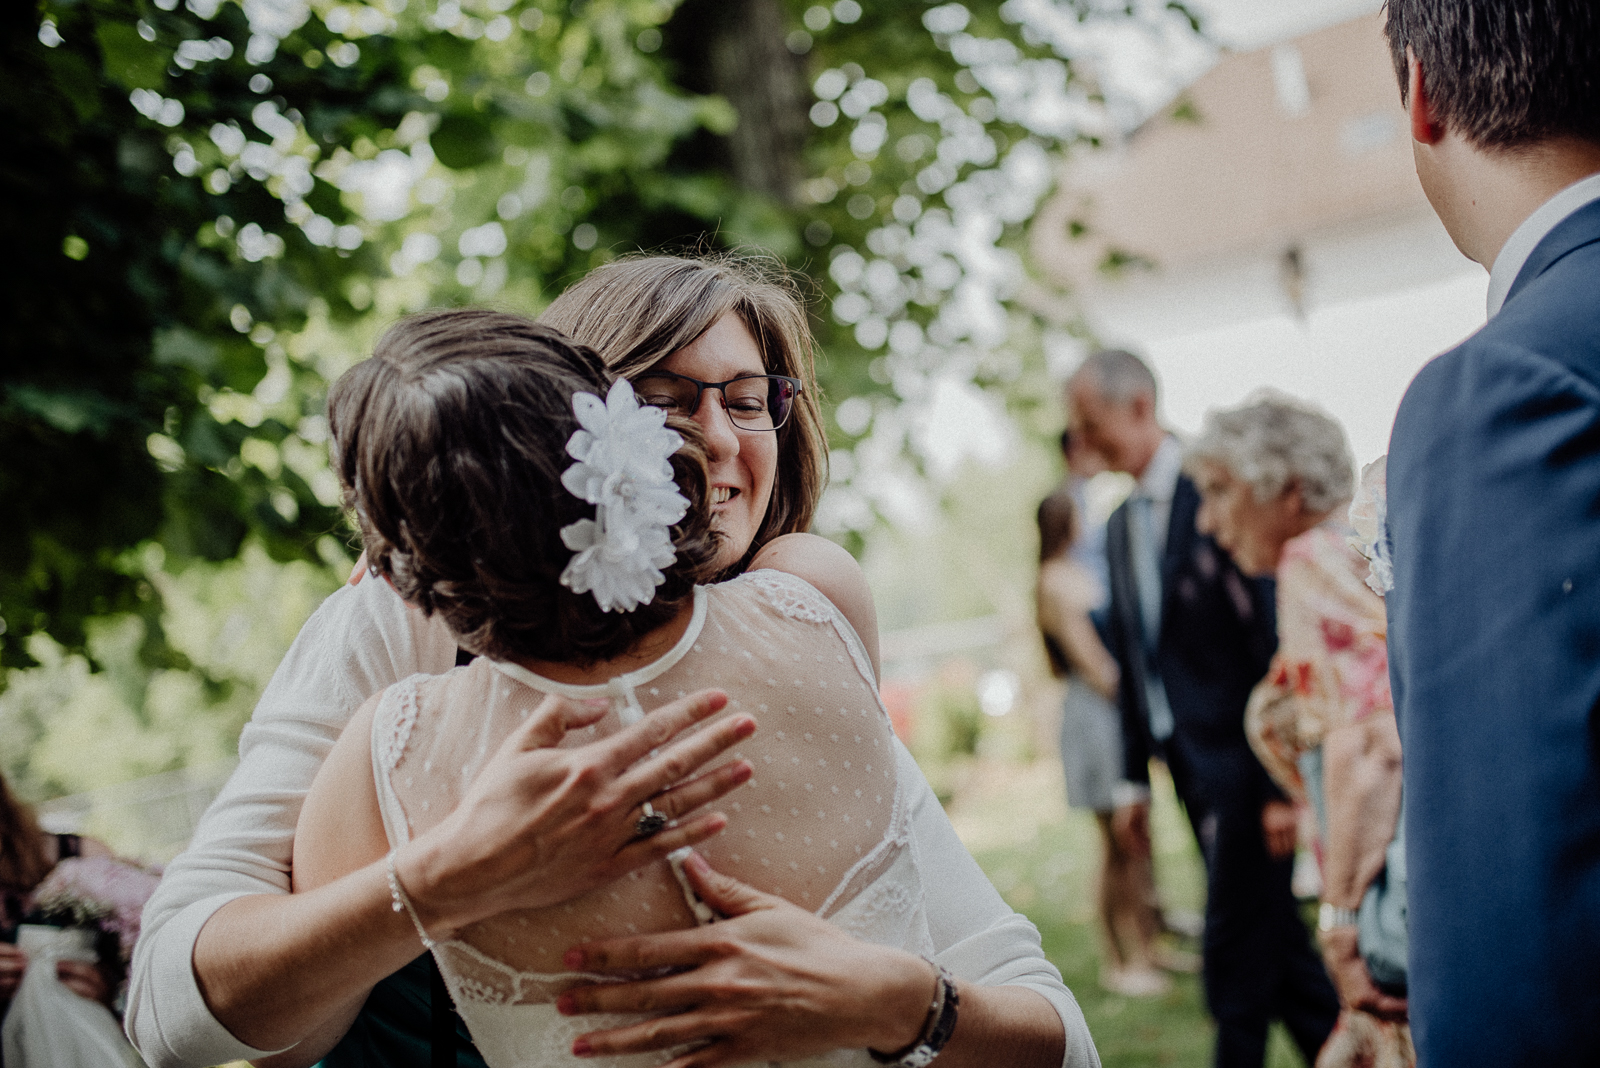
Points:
(99, 891)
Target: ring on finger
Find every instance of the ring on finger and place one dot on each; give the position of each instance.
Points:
(650, 823)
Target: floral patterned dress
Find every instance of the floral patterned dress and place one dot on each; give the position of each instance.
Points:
(1332, 666)
(1331, 672)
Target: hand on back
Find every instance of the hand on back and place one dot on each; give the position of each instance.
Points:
(771, 981)
(539, 824)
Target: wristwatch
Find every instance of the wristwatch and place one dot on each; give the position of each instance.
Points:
(1331, 916)
(940, 1025)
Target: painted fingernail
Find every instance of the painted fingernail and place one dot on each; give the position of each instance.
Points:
(573, 958)
(567, 1005)
(741, 772)
(581, 1048)
(696, 863)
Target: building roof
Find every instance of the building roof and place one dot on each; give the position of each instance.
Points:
(1265, 150)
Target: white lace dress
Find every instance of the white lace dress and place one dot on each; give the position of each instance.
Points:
(823, 822)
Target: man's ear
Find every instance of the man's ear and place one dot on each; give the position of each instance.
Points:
(1142, 405)
(1424, 130)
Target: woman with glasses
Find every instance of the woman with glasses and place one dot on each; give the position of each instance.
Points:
(220, 970)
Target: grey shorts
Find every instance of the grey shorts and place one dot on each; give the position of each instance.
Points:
(1091, 747)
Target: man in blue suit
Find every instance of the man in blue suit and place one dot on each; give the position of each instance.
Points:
(1494, 528)
(1192, 636)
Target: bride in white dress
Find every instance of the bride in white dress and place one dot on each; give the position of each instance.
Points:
(583, 583)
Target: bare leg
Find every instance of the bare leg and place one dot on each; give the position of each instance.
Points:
(1129, 920)
(1109, 889)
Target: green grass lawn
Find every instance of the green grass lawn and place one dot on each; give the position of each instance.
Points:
(1042, 858)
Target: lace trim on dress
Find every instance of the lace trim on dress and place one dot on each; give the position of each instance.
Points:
(887, 898)
(505, 985)
(793, 596)
(798, 599)
(392, 724)
(864, 872)
(398, 715)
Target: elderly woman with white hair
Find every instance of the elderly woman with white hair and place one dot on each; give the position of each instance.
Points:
(1275, 479)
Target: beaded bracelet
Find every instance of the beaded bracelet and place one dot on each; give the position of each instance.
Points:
(399, 900)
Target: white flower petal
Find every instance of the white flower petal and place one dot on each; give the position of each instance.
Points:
(591, 413)
(582, 535)
(624, 470)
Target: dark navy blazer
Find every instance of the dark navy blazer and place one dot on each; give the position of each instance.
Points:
(1218, 634)
(1494, 637)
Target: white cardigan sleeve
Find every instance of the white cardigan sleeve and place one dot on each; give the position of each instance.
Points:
(975, 933)
(362, 639)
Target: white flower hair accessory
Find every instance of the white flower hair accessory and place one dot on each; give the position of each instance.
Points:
(623, 470)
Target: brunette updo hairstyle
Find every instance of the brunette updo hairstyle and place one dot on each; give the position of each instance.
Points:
(450, 443)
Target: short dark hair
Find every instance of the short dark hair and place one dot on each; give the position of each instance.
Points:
(450, 443)
(1504, 73)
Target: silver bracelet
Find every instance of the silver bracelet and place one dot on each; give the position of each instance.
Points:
(399, 900)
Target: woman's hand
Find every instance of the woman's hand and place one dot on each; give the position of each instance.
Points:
(540, 825)
(13, 962)
(84, 979)
(1342, 954)
(772, 982)
(1130, 825)
(1280, 827)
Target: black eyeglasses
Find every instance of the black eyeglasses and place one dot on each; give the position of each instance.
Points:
(753, 402)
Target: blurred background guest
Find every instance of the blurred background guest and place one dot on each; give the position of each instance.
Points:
(1274, 477)
(27, 855)
(1091, 737)
(1192, 636)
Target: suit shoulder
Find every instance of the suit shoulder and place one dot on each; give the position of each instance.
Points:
(1509, 362)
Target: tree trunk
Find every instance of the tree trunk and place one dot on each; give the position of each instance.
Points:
(738, 49)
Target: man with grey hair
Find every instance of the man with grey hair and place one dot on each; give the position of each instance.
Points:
(1192, 636)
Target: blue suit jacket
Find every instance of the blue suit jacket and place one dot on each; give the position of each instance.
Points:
(1494, 636)
(1218, 634)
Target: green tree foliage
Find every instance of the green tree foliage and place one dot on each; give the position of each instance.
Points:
(215, 200)
(939, 130)
(216, 206)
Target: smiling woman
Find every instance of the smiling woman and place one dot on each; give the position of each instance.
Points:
(231, 968)
(220, 972)
(743, 457)
(717, 320)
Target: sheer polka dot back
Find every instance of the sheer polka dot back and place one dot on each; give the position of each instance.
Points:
(821, 823)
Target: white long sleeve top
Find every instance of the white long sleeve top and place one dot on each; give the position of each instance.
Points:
(363, 639)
